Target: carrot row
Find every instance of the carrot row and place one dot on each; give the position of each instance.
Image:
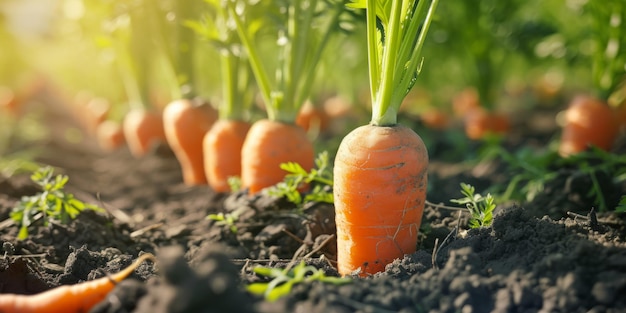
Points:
(71, 299)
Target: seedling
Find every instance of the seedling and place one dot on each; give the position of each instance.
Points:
(227, 219)
(52, 204)
(284, 279)
(320, 177)
(481, 208)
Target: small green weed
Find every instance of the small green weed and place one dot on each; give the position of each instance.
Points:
(319, 177)
(481, 208)
(227, 219)
(284, 279)
(52, 204)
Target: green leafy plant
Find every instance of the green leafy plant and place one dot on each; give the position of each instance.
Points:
(227, 219)
(621, 207)
(321, 177)
(531, 171)
(481, 208)
(283, 279)
(52, 204)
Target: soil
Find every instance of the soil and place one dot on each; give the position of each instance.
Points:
(536, 257)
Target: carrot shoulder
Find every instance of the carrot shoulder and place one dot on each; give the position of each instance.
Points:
(70, 299)
(380, 188)
(269, 144)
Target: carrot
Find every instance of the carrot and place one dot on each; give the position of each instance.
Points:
(479, 123)
(465, 101)
(222, 152)
(379, 190)
(96, 112)
(312, 118)
(9, 102)
(269, 144)
(435, 119)
(380, 169)
(186, 122)
(110, 135)
(588, 122)
(71, 299)
(143, 129)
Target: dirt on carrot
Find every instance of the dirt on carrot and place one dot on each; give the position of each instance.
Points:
(71, 299)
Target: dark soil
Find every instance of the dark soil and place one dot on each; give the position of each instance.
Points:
(535, 257)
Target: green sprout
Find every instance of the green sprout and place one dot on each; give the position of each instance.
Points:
(227, 219)
(52, 204)
(320, 177)
(481, 208)
(284, 279)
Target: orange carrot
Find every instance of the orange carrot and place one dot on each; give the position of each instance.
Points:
(379, 188)
(186, 122)
(96, 112)
(588, 122)
(143, 129)
(479, 123)
(9, 101)
(311, 117)
(380, 169)
(465, 102)
(435, 119)
(110, 135)
(267, 145)
(71, 299)
(222, 152)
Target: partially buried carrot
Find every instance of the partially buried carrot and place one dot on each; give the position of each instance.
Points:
(69, 299)
(479, 123)
(143, 129)
(268, 145)
(222, 152)
(588, 122)
(186, 121)
(312, 118)
(380, 169)
(110, 135)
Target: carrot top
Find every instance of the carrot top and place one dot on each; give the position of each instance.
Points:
(301, 39)
(216, 27)
(394, 50)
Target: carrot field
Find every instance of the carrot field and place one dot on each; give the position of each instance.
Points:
(312, 156)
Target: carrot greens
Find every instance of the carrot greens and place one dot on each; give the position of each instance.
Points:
(52, 204)
(300, 41)
(394, 51)
(216, 26)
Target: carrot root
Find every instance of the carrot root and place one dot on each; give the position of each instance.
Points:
(72, 299)
(380, 187)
